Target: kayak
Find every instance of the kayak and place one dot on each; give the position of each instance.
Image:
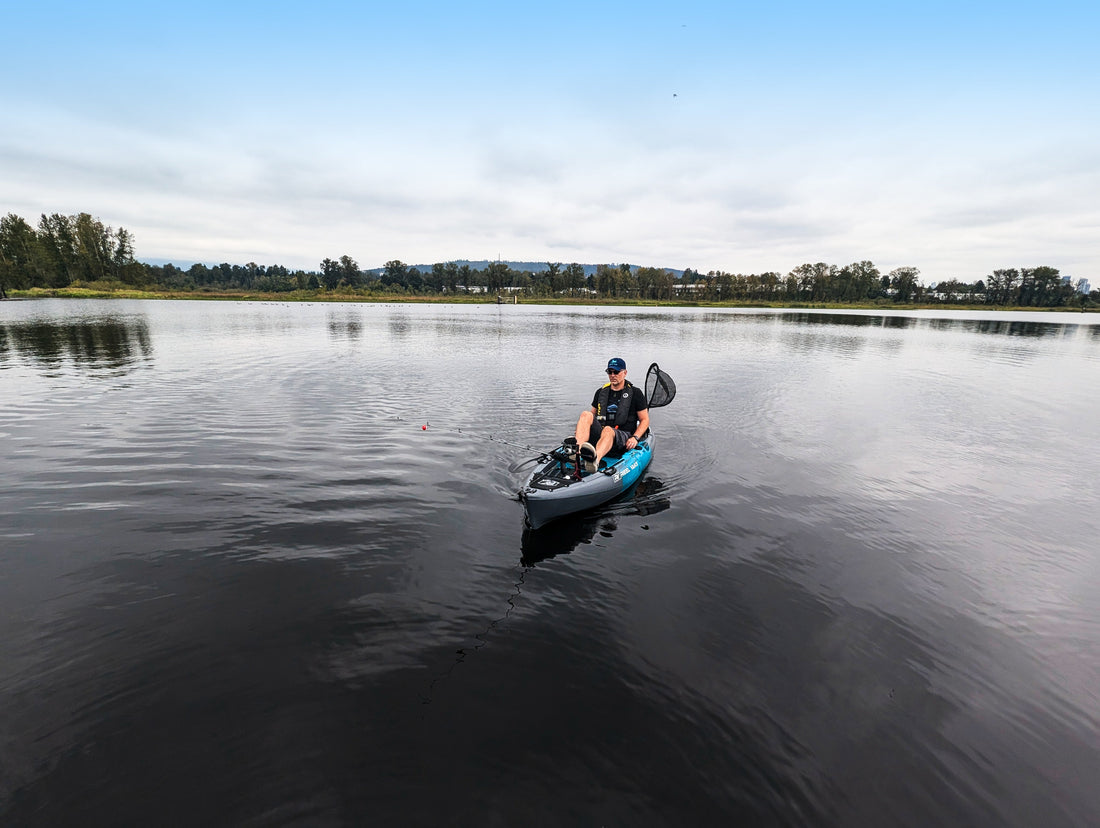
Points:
(557, 488)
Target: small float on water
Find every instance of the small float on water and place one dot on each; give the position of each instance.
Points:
(560, 486)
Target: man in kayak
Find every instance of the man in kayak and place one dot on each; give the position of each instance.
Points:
(617, 420)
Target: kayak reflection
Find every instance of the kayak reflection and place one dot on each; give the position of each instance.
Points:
(647, 497)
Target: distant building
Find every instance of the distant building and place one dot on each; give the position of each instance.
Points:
(1082, 284)
(688, 287)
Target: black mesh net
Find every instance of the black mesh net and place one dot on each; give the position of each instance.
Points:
(659, 387)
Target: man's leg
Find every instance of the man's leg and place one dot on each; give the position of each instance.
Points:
(584, 426)
(603, 446)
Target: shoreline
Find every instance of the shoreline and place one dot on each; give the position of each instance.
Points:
(482, 299)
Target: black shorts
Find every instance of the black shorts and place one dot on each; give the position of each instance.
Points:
(621, 436)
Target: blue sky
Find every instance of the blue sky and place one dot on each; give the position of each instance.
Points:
(957, 138)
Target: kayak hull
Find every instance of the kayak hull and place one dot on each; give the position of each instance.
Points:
(555, 490)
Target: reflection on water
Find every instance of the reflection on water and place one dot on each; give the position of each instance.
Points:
(561, 537)
(848, 320)
(1034, 329)
(650, 496)
(1000, 327)
(647, 497)
(345, 326)
(115, 343)
(400, 325)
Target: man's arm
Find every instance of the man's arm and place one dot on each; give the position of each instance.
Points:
(643, 426)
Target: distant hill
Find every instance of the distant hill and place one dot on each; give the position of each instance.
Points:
(519, 267)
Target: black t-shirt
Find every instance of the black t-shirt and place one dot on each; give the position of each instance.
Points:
(630, 395)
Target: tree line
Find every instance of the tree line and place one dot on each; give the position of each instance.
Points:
(64, 250)
(862, 282)
(80, 250)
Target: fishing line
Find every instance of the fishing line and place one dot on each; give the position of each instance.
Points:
(489, 438)
(482, 639)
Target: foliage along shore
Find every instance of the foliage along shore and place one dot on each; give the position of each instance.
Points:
(100, 291)
(81, 256)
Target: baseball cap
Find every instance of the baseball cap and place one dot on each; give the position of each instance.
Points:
(616, 364)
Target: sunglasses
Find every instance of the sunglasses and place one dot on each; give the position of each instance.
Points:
(610, 372)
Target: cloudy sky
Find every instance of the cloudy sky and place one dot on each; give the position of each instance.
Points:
(954, 137)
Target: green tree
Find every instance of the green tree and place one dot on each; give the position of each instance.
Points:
(804, 277)
(824, 279)
(349, 271)
(19, 254)
(1042, 287)
(605, 280)
(395, 273)
(497, 275)
(574, 278)
(123, 266)
(94, 247)
(58, 242)
(466, 277)
(857, 282)
(438, 277)
(903, 280)
(650, 281)
(330, 273)
(555, 279)
(625, 282)
(724, 286)
(450, 276)
(1001, 286)
(665, 285)
(868, 279)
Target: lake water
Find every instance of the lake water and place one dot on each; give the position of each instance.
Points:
(241, 584)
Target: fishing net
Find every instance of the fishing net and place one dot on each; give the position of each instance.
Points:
(659, 387)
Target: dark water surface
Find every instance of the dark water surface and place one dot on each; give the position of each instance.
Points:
(241, 585)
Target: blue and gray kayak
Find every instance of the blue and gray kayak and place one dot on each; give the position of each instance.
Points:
(558, 488)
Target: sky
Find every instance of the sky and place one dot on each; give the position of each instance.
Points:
(957, 138)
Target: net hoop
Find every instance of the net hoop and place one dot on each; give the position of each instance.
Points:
(659, 387)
